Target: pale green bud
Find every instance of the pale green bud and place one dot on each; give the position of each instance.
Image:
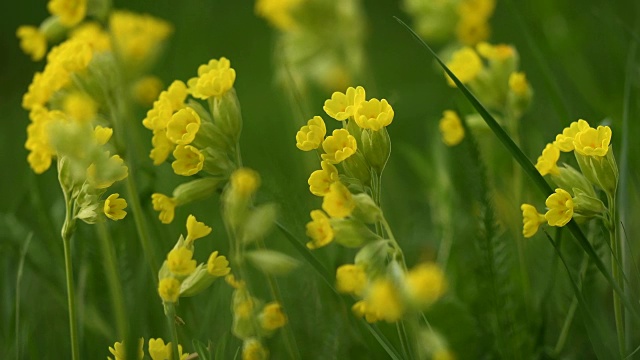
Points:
(196, 282)
(366, 209)
(217, 163)
(271, 261)
(569, 178)
(356, 166)
(259, 222)
(376, 146)
(373, 256)
(587, 205)
(226, 114)
(602, 171)
(352, 233)
(196, 189)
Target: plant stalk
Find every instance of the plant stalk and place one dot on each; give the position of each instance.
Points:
(68, 228)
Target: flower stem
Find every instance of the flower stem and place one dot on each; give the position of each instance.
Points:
(68, 229)
(616, 256)
(568, 320)
(170, 312)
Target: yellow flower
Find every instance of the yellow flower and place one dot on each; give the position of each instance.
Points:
(531, 220)
(189, 160)
(479, 8)
(102, 134)
(183, 126)
(361, 309)
(70, 12)
(180, 261)
(374, 114)
(593, 142)
(278, 12)
(114, 207)
(165, 205)
(547, 162)
(92, 33)
(169, 289)
(32, 41)
(40, 150)
(564, 141)
(252, 349)
(245, 182)
(560, 206)
(104, 174)
(196, 229)
(451, 128)
(465, 65)
(272, 317)
(218, 265)
(233, 282)
(339, 146)
(472, 29)
(338, 202)
(443, 354)
(311, 135)
(499, 52)
(518, 83)
(158, 350)
(147, 89)
(319, 230)
(342, 106)
(425, 284)
(119, 352)
(80, 106)
(137, 38)
(351, 279)
(162, 147)
(382, 302)
(214, 79)
(320, 180)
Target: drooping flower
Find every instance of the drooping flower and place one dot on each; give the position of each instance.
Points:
(560, 206)
(547, 162)
(311, 135)
(114, 207)
(272, 317)
(189, 160)
(218, 265)
(196, 229)
(183, 126)
(531, 220)
(564, 141)
(351, 279)
(338, 202)
(451, 128)
(169, 289)
(425, 284)
(165, 205)
(320, 180)
(319, 230)
(180, 261)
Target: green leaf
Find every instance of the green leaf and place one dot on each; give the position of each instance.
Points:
(272, 262)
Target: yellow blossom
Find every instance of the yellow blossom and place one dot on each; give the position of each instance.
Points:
(272, 317)
(114, 207)
(245, 182)
(233, 282)
(278, 12)
(311, 135)
(196, 229)
(136, 38)
(80, 106)
(162, 147)
(252, 349)
(183, 126)
(518, 83)
(472, 29)
(146, 89)
(214, 79)
(382, 302)
(40, 150)
(180, 261)
(70, 12)
(531, 220)
(338, 202)
(564, 141)
(451, 128)
(320, 180)
(105, 174)
(560, 206)
(319, 230)
(547, 162)
(32, 41)
(341, 106)
(351, 279)
(169, 289)
(93, 34)
(165, 205)
(218, 265)
(73, 55)
(374, 114)
(425, 284)
(443, 354)
(189, 160)
(119, 351)
(339, 146)
(102, 134)
(593, 142)
(158, 350)
(499, 52)
(465, 65)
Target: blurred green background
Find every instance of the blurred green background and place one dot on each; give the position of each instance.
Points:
(584, 44)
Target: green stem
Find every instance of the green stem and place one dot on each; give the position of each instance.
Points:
(616, 256)
(170, 312)
(68, 229)
(110, 267)
(568, 320)
(143, 234)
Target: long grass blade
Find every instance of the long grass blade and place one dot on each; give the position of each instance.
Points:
(527, 166)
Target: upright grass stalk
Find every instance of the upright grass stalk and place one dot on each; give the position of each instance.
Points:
(68, 228)
(616, 258)
(568, 320)
(23, 255)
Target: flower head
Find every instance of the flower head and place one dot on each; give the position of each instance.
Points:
(382, 302)
(196, 229)
(374, 114)
(272, 317)
(165, 205)
(158, 350)
(70, 12)
(425, 284)
(102, 134)
(339, 146)
(169, 289)
(189, 160)
(531, 220)
(180, 261)
(245, 182)
(341, 106)
(183, 126)
(451, 128)
(252, 349)
(32, 41)
(214, 79)
(320, 180)
(560, 206)
(547, 162)
(593, 142)
(351, 279)
(319, 230)
(564, 141)
(114, 207)
(465, 65)
(338, 202)
(311, 135)
(518, 83)
(218, 265)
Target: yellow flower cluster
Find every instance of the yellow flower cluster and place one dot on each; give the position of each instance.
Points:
(70, 12)
(451, 128)
(158, 350)
(278, 12)
(137, 38)
(32, 41)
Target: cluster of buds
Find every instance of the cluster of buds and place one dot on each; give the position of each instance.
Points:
(200, 140)
(576, 195)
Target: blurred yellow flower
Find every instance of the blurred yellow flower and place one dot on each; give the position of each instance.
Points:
(531, 220)
(169, 289)
(518, 83)
(272, 317)
(80, 106)
(351, 279)
(319, 230)
(338, 202)
(70, 12)
(114, 207)
(93, 34)
(382, 302)
(214, 79)
(593, 142)
(465, 65)
(245, 182)
(451, 128)
(137, 38)
(218, 265)
(339, 146)
(162, 147)
(425, 284)
(189, 160)
(374, 114)
(195, 230)
(560, 206)
(32, 41)
(320, 180)
(278, 12)
(102, 134)
(310, 136)
(341, 106)
(547, 162)
(146, 89)
(252, 349)
(499, 52)
(165, 205)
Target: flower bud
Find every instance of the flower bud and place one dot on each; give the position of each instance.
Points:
(352, 233)
(570, 178)
(196, 189)
(226, 113)
(366, 209)
(376, 146)
(587, 205)
(602, 171)
(356, 166)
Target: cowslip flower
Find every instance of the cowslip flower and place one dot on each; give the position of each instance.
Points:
(195, 229)
(183, 126)
(451, 128)
(252, 349)
(564, 141)
(518, 83)
(244, 182)
(271, 317)
(500, 52)
(165, 205)
(180, 262)
(158, 350)
(341, 106)
(351, 279)
(339, 146)
(320, 180)
(102, 134)
(169, 289)
(106, 173)
(146, 89)
(425, 284)
(338, 202)
(381, 303)
(32, 41)
(214, 79)
(218, 265)
(114, 207)
(136, 38)
(93, 34)
(560, 206)
(189, 160)
(80, 106)
(465, 65)
(593, 142)
(547, 162)
(531, 220)
(319, 230)
(374, 114)
(70, 12)
(310, 136)
(119, 351)
(278, 12)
